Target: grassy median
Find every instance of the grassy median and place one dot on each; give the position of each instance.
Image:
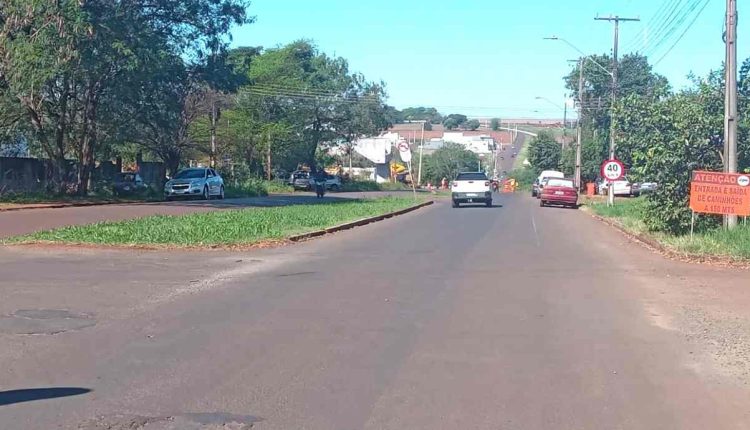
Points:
(629, 213)
(223, 227)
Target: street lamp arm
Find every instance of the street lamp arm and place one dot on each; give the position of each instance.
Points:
(587, 57)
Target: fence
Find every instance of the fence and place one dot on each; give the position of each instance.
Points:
(30, 175)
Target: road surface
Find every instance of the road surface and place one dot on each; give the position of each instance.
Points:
(511, 317)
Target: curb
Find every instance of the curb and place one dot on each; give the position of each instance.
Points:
(358, 223)
(72, 205)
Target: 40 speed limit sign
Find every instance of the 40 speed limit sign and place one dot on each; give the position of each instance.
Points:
(612, 170)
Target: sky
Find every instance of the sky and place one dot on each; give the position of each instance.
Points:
(489, 57)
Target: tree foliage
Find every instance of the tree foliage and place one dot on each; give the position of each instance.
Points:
(545, 152)
(447, 162)
(68, 69)
(421, 114)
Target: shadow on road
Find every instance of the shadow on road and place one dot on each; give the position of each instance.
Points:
(33, 394)
(494, 206)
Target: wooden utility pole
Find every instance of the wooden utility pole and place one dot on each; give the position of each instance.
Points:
(613, 128)
(730, 99)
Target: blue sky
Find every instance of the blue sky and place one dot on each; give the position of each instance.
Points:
(487, 57)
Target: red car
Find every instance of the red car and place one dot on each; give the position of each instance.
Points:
(559, 191)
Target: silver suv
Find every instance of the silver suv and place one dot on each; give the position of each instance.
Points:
(197, 182)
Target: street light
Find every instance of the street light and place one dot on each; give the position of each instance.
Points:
(564, 108)
(587, 57)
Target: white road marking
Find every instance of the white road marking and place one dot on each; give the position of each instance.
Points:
(536, 233)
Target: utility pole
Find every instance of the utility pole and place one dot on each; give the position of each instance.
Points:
(213, 133)
(613, 128)
(579, 129)
(421, 148)
(730, 99)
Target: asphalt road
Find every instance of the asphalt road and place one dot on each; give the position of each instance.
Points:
(511, 317)
(14, 223)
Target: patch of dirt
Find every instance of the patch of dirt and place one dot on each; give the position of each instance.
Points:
(190, 421)
(724, 335)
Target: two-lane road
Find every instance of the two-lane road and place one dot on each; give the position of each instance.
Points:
(511, 317)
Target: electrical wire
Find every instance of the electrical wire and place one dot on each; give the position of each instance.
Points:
(675, 25)
(695, 18)
(638, 40)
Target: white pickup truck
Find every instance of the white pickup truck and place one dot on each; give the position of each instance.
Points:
(471, 187)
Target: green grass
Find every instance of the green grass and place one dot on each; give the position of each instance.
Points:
(224, 228)
(12, 198)
(629, 212)
(357, 186)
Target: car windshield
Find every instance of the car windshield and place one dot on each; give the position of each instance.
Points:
(471, 177)
(560, 183)
(191, 174)
(126, 177)
(301, 175)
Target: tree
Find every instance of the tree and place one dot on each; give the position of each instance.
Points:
(545, 152)
(495, 124)
(421, 114)
(69, 66)
(635, 77)
(472, 124)
(454, 121)
(447, 162)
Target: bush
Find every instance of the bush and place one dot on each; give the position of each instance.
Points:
(247, 188)
(525, 176)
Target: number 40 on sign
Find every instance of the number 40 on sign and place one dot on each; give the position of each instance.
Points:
(612, 170)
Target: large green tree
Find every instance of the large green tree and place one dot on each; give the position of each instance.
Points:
(545, 152)
(68, 67)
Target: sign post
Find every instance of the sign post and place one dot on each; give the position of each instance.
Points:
(612, 170)
(405, 152)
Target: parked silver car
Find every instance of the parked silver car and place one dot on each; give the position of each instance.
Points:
(198, 182)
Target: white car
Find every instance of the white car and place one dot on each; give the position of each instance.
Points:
(622, 187)
(195, 182)
(471, 187)
(333, 183)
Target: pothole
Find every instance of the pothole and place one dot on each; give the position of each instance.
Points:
(44, 321)
(190, 421)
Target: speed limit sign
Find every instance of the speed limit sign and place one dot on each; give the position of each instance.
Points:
(612, 170)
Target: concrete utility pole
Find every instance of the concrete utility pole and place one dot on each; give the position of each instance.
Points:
(613, 128)
(730, 99)
(421, 148)
(579, 130)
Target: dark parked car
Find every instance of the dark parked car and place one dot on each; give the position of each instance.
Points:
(128, 183)
(300, 180)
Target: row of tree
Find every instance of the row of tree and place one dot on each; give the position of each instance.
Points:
(662, 135)
(95, 80)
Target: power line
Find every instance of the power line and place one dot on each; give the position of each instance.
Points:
(672, 26)
(660, 15)
(695, 18)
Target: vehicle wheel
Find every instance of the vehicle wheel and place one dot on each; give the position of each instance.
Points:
(335, 188)
(206, 195)
(456, 204)
(541, 203)
(488, 203)
(221, 193)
